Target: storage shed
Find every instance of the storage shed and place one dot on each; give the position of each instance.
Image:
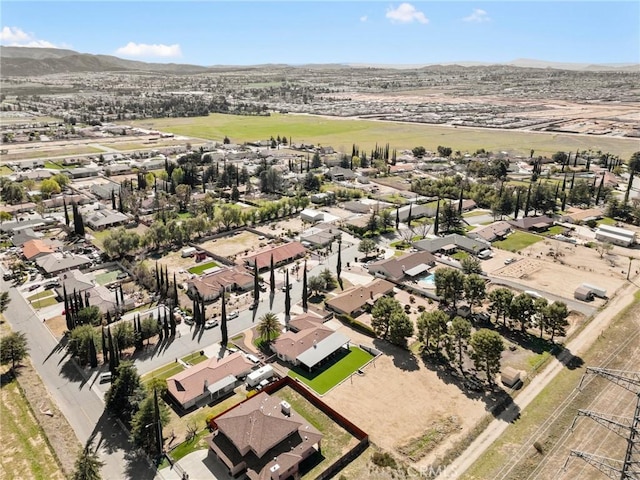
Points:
(510, 377)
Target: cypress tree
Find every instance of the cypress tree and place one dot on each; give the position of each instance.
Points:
(397, 218)
(105, 351)
(600, 187)
(272, 277)
(113, 199)
(461, 198)
(172, 323)
(93, 354)
(175, 291)
(409, 216)
(223, 321)
(528, 202)
(305, 291)
(287, 296)
(165, 323)
(338, 263)
(256, 283)
(516, 210)
(66, 213)
(436, 222)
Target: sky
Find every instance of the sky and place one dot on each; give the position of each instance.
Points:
(240, 32)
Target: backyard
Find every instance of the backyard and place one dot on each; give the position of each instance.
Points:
(328, 376)
(198, 269)
(517, 241)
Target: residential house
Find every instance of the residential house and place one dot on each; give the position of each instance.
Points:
(492, 232)
(396, 269)
(305, 321)
(354, 300)
(451, 243)
(264, 438)
(209, 285)
(58, 262)
(537, 224)
(105, 218)
(23, 236)
(311, 216)
(356, 206)
(281, 254)
(104, 190)
(209, 380)
(82, 172)
(339, 174)
(467, 204)
(580, 215)
(33, 249)
(320, 235)
(59, 201)
(310, 346)
(417, 211)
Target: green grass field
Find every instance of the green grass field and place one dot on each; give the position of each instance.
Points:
(198, 269)
(607, 221)
(4, 170)
(171, 369)
(517, 241)
(44, 302)
(52, 165)
(342, 133)
(194, 358)
(327, 377)
(107, 277)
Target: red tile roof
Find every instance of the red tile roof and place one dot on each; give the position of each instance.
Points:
(33, 248)
(281, 253)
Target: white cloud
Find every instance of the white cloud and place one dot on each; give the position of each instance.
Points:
(132, 49)
(406, 13)
(478, 16)
(364, 18)
(16, 37)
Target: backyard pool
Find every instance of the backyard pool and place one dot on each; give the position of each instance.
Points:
(428, 281)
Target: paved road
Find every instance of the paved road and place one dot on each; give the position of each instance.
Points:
(576, 347)
(72, 393)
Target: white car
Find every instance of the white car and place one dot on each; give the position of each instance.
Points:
(233, 315)
(210, 324)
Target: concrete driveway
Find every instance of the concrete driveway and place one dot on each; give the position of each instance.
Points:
(199, 466)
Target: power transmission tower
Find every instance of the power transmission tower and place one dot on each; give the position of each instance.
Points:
(626, 427)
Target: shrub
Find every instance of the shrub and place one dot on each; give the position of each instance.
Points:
(421, 308)
(356, 325)
(412, 299)
(384, 459)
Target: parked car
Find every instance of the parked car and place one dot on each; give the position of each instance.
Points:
(210, 324)
(34, 287)
(188, 320)
(284, 287)
(252, 306)
(509, 261)
(105, 377)
(233, 315)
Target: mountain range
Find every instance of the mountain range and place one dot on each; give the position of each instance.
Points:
(25, 62)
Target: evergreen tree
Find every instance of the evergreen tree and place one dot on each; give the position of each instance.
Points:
(126, 393)
(256, 283)
(436, 222)
(339, 261)
(305, 291)
(88, 464)
(287, 296)
(66, 213)
(223, 321)
(93, 354)
(272, 278)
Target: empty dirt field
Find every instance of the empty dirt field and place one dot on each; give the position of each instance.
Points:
(399, 399)
(561, 275)
(233, 244)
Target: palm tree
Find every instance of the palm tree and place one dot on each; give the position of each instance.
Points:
(88, 465)
(269, 326)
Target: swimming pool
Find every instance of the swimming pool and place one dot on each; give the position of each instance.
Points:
(429, 280)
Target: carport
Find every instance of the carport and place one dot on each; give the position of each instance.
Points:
(323, 349)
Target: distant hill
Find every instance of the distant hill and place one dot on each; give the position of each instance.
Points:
(25, 62)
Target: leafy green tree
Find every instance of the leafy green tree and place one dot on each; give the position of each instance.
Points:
(49, 187)
(474, 289)
(419, 152)
(431, 328)
(11, 192)
(143, 433)
(124, 335)
(367, 246)
(149, 328)
(79, 343)
(400, 328)
(13, 349)
(471, 265)
(522, 309)
(487, 348)
(540, 307)
(383, 310)
(500, 299)
(444, 151)
(4, 301)
(269, 326)
(449, 220)
(316, 161)
(311, 183)
(89, 316)
(328, 279)
(460, 332)
(449, 285)
(316, 284)
(557, 319)
(88, 464)
(120, 242)
(126, 392)
(5, 216)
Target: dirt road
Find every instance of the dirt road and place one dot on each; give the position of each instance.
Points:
(575, 347)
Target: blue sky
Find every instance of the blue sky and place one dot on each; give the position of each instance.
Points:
(379, 32)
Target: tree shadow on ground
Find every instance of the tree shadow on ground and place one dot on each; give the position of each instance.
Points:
(61, 345)
(8, 377)
(497, 401)
(402, 358)
(111, 437)
(71, 371)
(539, 345)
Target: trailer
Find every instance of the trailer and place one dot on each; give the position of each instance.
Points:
(257, 376)
(597, 291)
(189, 252)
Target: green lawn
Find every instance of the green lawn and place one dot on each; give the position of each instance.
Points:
(475, 213)
(4, 170)
(607, 221)
(342, 133)
(198, 269)
(327, 377)
(107, 277)
(194, 358)
(517, 241)
(44, 302)
(163, 372)
(45, 294)
(460, 255)
(52, 165)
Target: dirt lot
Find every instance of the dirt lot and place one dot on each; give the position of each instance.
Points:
(562, 273)
(281, 228)
(379, 402)
(234, 244)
